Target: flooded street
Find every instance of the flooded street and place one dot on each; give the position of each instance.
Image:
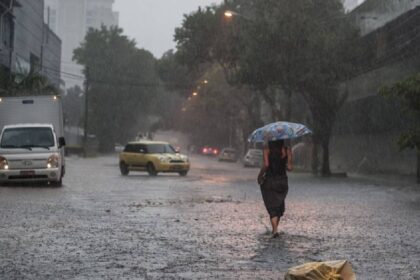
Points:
(210, 224)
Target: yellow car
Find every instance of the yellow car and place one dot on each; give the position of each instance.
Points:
(153, 157)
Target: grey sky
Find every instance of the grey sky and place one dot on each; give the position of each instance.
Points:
(152, 22)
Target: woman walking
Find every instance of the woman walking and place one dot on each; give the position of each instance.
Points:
(273, 180)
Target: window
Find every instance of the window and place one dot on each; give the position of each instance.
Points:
(160, 149)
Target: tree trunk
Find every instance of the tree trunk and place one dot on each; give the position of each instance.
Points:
(315, 160)
(326, 172)
(418, 166)
(288, 108)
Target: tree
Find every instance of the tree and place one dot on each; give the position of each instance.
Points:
(408, 94)
(21, 84)
(304, 47)
(123, 83)
(73, 106)
(280, 47)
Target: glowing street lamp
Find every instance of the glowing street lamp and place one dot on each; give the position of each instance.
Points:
(195, 93)
(229, 14)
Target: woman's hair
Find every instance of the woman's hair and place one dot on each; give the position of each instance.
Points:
(275, 145)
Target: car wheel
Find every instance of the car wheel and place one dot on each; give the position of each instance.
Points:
(124, 168)
(151, 169)
(183, 173)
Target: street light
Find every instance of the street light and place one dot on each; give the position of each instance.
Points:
(195, 93)
(230, 14)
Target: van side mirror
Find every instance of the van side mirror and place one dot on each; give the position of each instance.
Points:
(61, 142)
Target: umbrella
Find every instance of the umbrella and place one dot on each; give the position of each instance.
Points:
(278, 131)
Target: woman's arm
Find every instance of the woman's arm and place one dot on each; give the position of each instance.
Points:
(266, 154)
(264, 166)
(289, 159)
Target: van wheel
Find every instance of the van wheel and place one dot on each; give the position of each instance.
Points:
(58, 183)
(183, 173)
(124, 168)
(151, 169)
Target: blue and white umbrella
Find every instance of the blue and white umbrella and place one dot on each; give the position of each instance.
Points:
(278, 131)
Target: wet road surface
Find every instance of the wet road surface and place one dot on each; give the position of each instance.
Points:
(209, 225)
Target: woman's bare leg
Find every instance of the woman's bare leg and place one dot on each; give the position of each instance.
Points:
(275, 224)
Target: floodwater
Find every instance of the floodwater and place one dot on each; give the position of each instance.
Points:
(209, 225)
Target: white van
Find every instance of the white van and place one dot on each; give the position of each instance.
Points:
(32, 139)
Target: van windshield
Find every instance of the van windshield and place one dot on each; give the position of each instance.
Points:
(27, 138)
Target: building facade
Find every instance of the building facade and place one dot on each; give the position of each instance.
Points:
(71, 20)
(28, 45)
(6, 34)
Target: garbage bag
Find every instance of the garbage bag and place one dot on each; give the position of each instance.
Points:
(330, 270)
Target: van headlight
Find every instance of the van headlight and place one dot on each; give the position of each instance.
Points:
(4, 165)
(53, 161)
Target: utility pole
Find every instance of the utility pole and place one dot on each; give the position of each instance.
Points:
(85, 135)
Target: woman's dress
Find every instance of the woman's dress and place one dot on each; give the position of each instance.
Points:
(275, 187)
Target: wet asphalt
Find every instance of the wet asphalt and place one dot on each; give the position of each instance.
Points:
(211, 224)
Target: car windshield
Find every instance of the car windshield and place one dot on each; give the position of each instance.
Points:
(27, 137)
(160, 149)
(255, 152)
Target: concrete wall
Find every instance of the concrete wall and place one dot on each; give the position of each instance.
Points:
(371, 153)
(368, 84)
(373, 14)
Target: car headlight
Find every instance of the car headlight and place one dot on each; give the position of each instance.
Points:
(53, 161)
(164, 159)
(185, 158)
(4, 165)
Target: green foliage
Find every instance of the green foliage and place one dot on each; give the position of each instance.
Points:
(196, 37)
(407, 92)
(173, 74)
(123, 81)
(22, 84)
(219, 112)
(73, 106)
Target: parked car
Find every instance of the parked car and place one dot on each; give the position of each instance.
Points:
(209, 151)
(228, 154)
(153, 157)
(253, 158)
